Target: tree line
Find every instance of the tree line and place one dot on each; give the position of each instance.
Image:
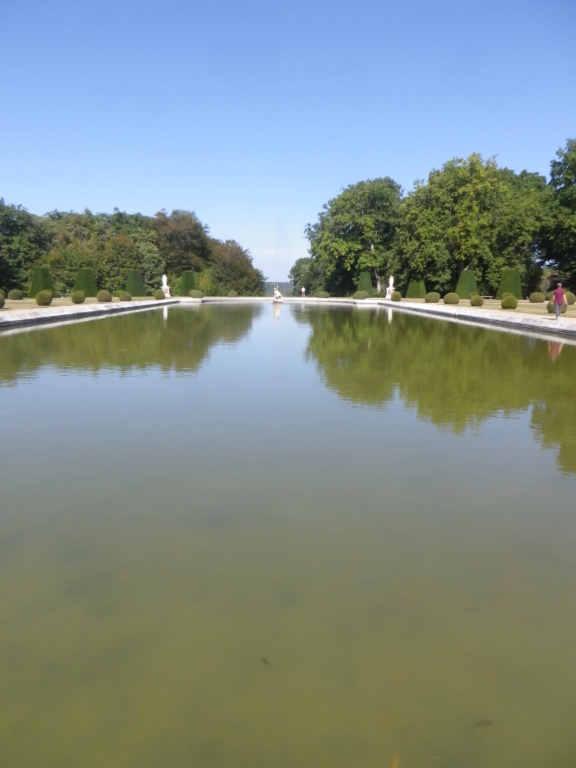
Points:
(470, 214)
(112, 244)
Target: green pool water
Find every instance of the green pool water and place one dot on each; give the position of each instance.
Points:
(252, 537)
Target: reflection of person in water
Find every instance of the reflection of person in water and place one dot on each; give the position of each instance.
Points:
(554, 349)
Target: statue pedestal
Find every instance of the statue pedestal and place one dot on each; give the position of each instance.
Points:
(389, 292)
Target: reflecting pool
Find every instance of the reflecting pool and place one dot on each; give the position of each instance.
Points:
(325, 538)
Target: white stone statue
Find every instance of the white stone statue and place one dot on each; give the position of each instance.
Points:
(165, 286)
(390, 289)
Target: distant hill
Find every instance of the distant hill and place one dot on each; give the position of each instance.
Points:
(284, 288)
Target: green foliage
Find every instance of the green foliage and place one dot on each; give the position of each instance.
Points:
(365, 284)
(451, 298)
(466, 284)
(135, 284)
(509, 302)
(322, 295)
(561, 242)
(396, 296)
(536, 297)
(104, 296)
(182, 241)
(432, 297)
(232, 294)
(187, 282)
(231, 269)
(307, 273)
(2, 294)
(159, 294)
(550, 308)
(360, 295)
(85, 282)
(509, 283)
(23, 242)
(416, 289)
(78, 297)
(125, 296)
(570, 297)
(15, 294)
(195, 294)
(44, 298)
(354, 233)
(476, 300)
(41, 281)
(2, 302)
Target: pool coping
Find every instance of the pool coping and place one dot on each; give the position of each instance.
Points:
(498, 319)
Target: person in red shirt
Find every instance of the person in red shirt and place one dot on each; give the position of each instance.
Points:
(559, 298)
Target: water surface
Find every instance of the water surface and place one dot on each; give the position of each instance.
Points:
(321, 538)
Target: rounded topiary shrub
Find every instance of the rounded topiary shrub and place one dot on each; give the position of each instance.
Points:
(78, 297)
(16, 295)
(570, 298)
(396, 296)
(451, 298)
(322, 295)
(536, 297)
(2, 294)
(506, 293)
(159, 294)
(195, 294)
(550, 308)
(44, 298)
(360, 295)
(509, 302)
(232, 294)
(104, 296)
(476, 300)
(125, 296)
(85, 282)
(432, 297)
(416, 290)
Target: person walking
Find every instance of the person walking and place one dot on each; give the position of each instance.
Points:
(559, 299)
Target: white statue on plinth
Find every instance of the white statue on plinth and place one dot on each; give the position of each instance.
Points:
(390, 289)
(165, 286)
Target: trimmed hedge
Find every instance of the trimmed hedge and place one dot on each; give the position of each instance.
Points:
(451, 298)
(78, 297)
(416, 290)
(537, 298)
(104, 296)
(125, 296)
(396, 296)
(232, 294)
(509, 283)
(195, 294)
(570, 298)
(44, 298)
(85, 282)
(365, 284)
(360, 295)
(322, 295)
(509, 302)
(134, 283)
(16, 295)
(466, 284)
(159, 294)
(41, 281)
(432, 297)
(550, 308)
(476, 300)
(187, 282)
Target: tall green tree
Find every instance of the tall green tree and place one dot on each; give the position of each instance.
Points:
(23, 241)
(561, 248)
(355, 232)
(231, 269)
(183, 241)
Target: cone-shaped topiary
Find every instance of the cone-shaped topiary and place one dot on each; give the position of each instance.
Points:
(509, 283)
(44, 298)
(134, 283)
(396, 296)
(466, 284)
(416, 290)
(41, 281)
(536, 297)
(365, 283)
(104, 296)
(187, 282)
(451, 298)
(432, 297)
(509, 302)
(16, 295)
(476, 300)
(125, 296)
(85, 282)
(77, 297)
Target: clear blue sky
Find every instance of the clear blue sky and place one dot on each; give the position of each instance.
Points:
(254, 114)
